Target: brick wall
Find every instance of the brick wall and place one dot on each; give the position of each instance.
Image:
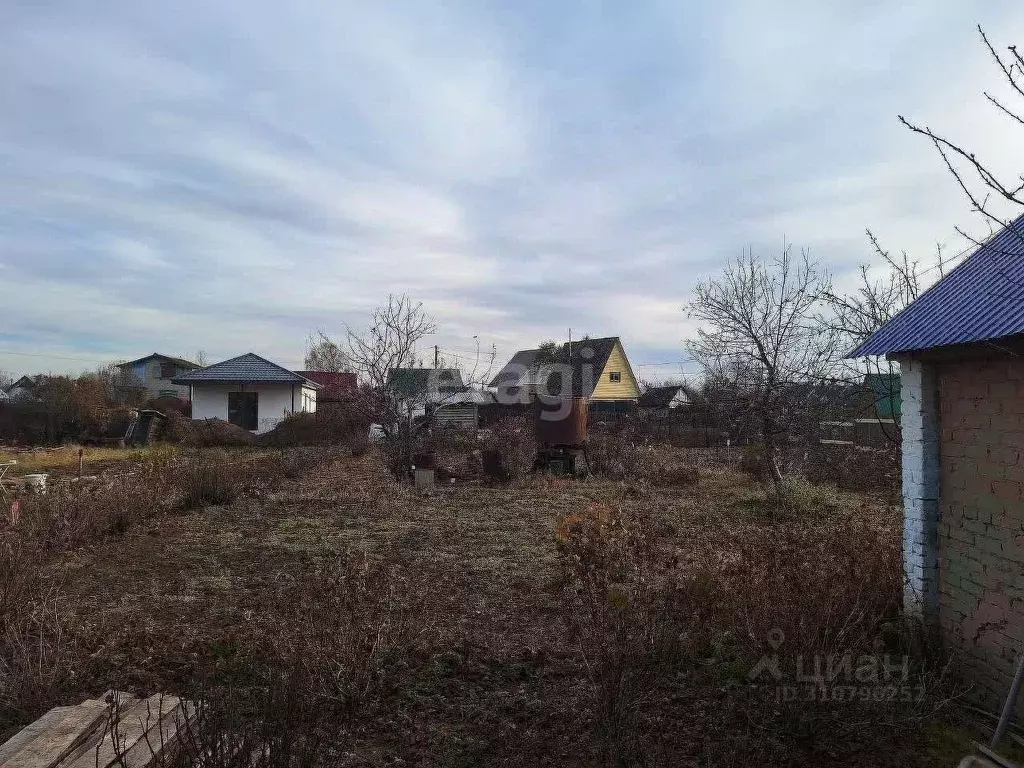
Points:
(981, 518)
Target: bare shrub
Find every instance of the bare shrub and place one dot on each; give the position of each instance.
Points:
(36, 655)
(204, 433)
(613, 454)
(446, 441)
(329, 647)
(622, 455)
(69, 515)
(512, 442)
(275, 725)
(347, 624)
(826, 586)
(796, 496)
(856, 468)
(628, 607)
(204, 483)
(329, 425)
(360, 444)
(659, 621)
(752, 461)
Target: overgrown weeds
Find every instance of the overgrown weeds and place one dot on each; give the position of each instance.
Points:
(328, 648)
(796, 497)
(37, 657)
(621, 456)
(348, 625)
(743, 614)
(511, 448)
(69, 515)
(204, 484)
(629, 608)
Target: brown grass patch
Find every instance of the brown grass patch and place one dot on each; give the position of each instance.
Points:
(550, 621)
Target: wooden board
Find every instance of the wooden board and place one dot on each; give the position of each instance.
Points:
(18, 741)
(119, 730)
(162, 741)
(53, 744)
(133, 721)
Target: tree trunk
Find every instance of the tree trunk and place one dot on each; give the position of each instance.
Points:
(771, 458)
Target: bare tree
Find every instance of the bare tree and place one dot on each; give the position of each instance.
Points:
(475, 368)
(854, 316)
(990, 193)
(387, 343)
(323, 354)
(759, 327)
(389, 340)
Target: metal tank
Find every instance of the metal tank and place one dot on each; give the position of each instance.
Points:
(561, 421)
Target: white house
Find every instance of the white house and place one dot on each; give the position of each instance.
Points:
(249, 391)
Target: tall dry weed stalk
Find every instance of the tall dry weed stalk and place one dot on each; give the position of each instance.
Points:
(628, 607)
(37, 657)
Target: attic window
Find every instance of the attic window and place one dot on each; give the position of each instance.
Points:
(615, 376)
(166, 370)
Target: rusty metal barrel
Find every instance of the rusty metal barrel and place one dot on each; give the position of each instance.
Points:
(561, 421)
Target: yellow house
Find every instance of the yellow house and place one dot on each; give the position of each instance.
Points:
(593, 368)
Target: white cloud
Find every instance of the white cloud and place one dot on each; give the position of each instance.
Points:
(230, 177)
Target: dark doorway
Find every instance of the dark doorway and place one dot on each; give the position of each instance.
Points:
(243, 409)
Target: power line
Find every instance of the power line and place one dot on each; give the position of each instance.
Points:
(58, 357)
(667, 362)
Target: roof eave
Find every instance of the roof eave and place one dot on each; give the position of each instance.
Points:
(305, 382)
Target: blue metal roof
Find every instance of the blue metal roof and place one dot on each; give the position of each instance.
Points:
(244, 368)
(981, 299)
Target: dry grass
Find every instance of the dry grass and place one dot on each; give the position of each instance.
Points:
(551, 621)
(64, 460)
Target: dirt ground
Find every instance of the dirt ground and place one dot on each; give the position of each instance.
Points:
(497, 679)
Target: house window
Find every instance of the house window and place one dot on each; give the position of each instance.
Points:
(166, 370)
(243, 409)
(615, 376)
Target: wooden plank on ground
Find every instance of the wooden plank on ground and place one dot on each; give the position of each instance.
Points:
(52, 745)
(133, 721)
(18, 741)
(163, 740)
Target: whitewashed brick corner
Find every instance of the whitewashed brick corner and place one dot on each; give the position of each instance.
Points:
(920, 443)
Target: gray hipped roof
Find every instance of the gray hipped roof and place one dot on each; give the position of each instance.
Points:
(248, 368)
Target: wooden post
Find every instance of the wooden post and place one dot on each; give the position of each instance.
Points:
(81, 460)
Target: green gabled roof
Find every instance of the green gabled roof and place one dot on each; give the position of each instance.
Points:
(413, 382)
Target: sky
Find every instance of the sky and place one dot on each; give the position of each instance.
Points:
(231, 176)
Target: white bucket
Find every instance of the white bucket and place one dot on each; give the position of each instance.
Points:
(35, 483)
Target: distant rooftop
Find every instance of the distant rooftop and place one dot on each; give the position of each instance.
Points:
(335, 385)
(157, 356)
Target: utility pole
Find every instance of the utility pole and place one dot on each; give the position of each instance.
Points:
(437, 354)
(570, 345)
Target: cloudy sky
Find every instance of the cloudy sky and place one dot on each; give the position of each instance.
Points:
(228, 176)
